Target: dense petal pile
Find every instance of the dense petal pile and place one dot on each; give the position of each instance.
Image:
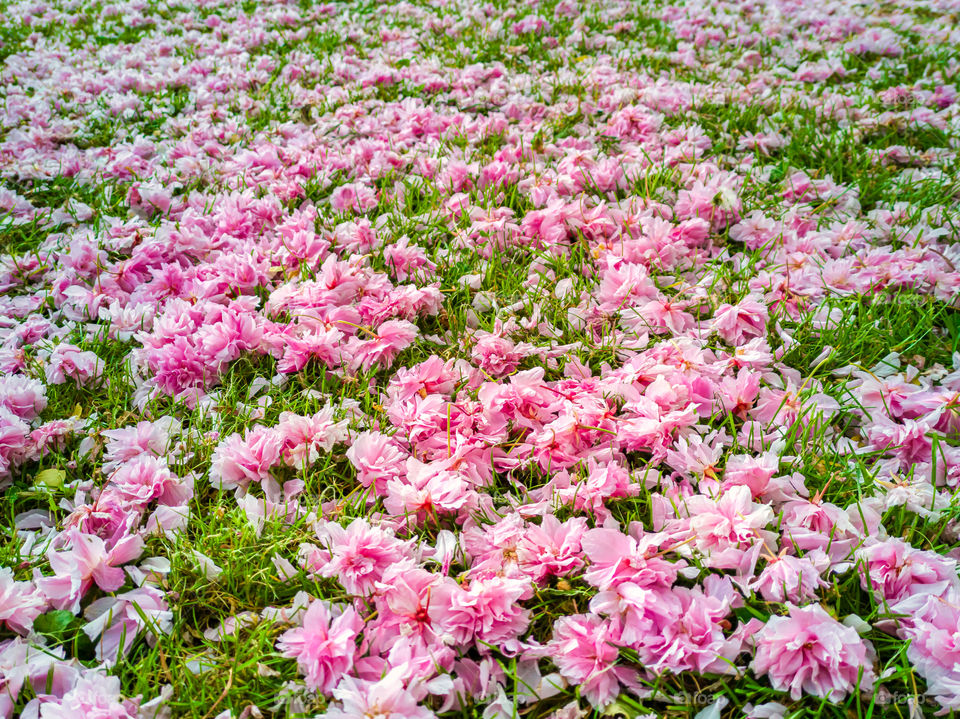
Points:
(416, 359)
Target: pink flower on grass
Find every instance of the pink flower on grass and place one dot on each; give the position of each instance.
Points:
(359, 554)
(239, 461)
(382, 346)
(14, 441)
(584, 648)
(741, 322)
(384, 699)
(738, 395)
(116, 622)
(324, 346)
(784, 407)
(616, 558)
(429, 490)
(305, 437)
(407, 260)
(41, 668)
(810, 651)
(127, 443)
(794, 579)
(693, 638)
(94, 696)
(325, 646)
(603, 482)
(377, 459)
(624, 284)
(752, 472)
(932, 626)
(488, 610)
(20, 603)
(432, 376)
(725, 529)
(85, 562)
(552, 549)
(716, 200)
(67, 361)
(141, 481)
(894, 571)
(23, 396)
(355, 196)
(495, 355)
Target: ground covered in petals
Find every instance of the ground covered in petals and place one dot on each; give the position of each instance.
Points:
(448, 358)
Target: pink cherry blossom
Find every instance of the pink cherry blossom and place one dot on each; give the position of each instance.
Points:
(325, 646)
(20, 602)
(359, 554)
(585, 650)
(384, 698)
(810, 651)
(239, 461)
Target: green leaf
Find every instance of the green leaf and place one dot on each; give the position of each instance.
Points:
(54, 624)
(51, 477)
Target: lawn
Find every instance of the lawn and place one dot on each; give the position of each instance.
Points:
(437, 358)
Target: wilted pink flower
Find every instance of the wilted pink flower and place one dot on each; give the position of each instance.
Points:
(810, 651)
(53, 435)
(488, 610)
(691, 636)
(604, 482)
(738, 395)
(624, 284)
(725, 529)
(552, 549)
(15, 444)
(377, 459)
(812, 524)
(432, 376)
(428, 490)
(305, 437)
(783, 407)
(492, 548)
(495, 355)
(41, 668)
(114, 623)
(408, 618)
(355, 196)
(932, 626)
(752, 472)
(408, 260)
(616, 558)
(142, 438)
(145, 479)
(716, 201)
